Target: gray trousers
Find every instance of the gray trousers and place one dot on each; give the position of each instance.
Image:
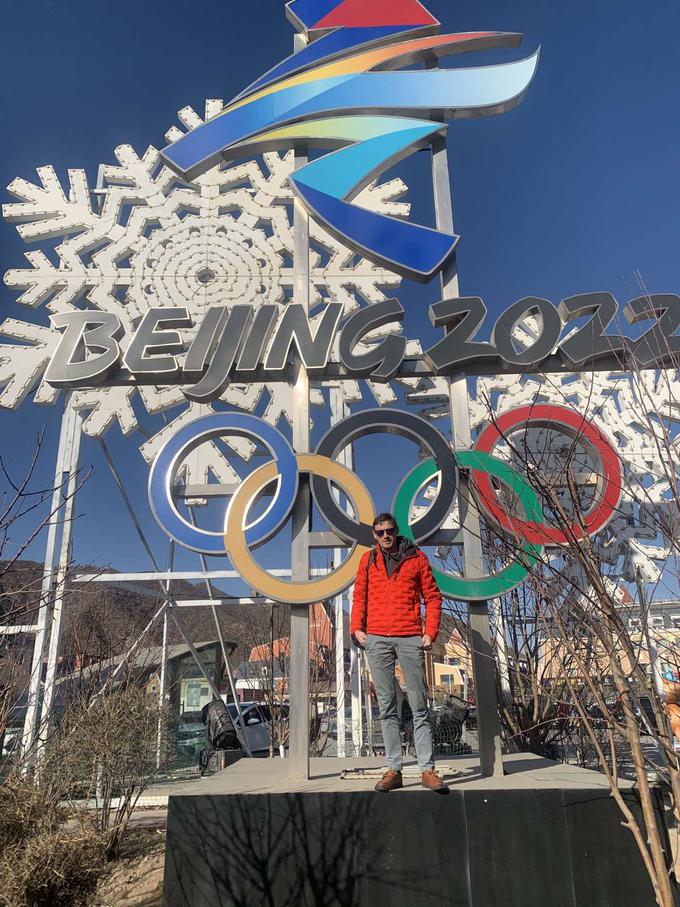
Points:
(382, 653)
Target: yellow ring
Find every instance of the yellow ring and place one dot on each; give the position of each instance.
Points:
(294, 593)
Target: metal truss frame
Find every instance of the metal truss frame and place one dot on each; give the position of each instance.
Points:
(47, 631)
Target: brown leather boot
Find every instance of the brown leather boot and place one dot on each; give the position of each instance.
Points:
(391, 780)
(432, 781)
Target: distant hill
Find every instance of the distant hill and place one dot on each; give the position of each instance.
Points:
(103, 619)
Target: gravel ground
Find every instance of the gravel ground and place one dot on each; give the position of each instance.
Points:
(136, 880)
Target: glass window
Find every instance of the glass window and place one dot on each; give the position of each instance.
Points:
(251, 716)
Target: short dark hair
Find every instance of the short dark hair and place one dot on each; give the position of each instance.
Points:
(385, 518)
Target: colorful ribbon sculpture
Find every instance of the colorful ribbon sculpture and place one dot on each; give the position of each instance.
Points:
(344, 90)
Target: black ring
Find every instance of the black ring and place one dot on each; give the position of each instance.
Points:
(408, 425)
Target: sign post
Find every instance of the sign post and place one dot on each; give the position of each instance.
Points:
(183, 335)
(483, 664)
(298, 745)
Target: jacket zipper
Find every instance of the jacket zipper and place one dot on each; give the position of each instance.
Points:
(390, 578)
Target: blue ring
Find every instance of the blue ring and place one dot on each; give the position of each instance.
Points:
(166, 464)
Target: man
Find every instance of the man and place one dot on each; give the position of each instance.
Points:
(386, 621)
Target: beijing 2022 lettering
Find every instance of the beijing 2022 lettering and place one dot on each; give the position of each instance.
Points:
(243, 343)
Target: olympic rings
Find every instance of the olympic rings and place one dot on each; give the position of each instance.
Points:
(239, 536)
(488, 586)
(239, 551)
(408, 425)
(190, 436)
(609, 484)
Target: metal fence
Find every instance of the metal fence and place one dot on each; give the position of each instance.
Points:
(451, 737)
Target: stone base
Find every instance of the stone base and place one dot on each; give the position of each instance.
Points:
(545, 835)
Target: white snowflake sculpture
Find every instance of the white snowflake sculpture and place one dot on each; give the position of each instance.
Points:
(144, 238)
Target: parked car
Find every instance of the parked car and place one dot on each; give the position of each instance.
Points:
(614, 708)
(11, 742)
(257, 721)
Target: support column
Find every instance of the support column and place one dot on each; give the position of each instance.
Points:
(162, 693)
(340, 698)
(72, 456)
(338, 412)
(163, 676)
(483, 666)
(357, 721)
(502, 652)
(652, 652)
(56, 525)
(298, 742)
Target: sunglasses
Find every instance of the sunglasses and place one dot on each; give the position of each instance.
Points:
(381, 532)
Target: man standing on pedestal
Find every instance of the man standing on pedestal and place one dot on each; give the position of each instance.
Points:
(387, 622)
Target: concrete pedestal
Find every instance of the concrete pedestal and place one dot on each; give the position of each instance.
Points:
(545, 834)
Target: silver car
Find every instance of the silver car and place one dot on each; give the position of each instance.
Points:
(257, 721)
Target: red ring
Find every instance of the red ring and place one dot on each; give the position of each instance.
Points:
(552, 416)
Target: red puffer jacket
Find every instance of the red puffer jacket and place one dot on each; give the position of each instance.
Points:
(390, 606)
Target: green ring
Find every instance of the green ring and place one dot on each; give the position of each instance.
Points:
(512, 575)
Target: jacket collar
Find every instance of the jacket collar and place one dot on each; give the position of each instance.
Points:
(406, 548)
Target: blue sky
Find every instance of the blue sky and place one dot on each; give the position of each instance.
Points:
(574, 191)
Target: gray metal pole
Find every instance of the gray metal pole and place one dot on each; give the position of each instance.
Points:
(502, 651)
(72, 456)
(652, 652)
(298, 745)
(162, 693)
(357, 720)
(480, 628)
(338, 413)
(339, 618)
(163, 680)
(55, 524)
(650, 642)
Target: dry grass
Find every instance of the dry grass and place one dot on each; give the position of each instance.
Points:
(51, 868)
(41, 861)
(136, 879)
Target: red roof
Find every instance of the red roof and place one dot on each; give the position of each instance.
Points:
(320, 637)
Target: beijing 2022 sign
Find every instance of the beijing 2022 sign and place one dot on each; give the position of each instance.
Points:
(240, 344)
(351, 92)
(347, 90)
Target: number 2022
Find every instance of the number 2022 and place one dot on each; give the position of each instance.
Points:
(587, 345)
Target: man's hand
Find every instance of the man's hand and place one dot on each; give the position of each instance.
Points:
(360, 637)
(427, 642)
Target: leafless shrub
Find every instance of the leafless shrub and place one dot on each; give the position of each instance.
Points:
(26, 810)
(51, 868)
(569, 640)
(104, 750)
(42, 861)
